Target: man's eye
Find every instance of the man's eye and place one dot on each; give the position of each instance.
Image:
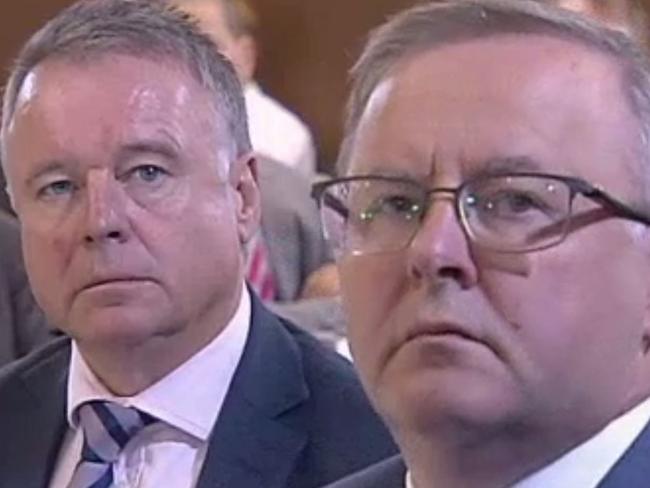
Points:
(401, 206)
(56, 189)
(512, 203)
(149, 173)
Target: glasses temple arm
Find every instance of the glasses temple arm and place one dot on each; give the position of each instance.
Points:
(616, 206)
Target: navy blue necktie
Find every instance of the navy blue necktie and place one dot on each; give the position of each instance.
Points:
(107, 428)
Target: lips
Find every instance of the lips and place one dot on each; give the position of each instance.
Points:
(112, 279)
(440, 328)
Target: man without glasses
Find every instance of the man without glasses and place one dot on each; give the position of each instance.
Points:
(493, 209)
(129, 165)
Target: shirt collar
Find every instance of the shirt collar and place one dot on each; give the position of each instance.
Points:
(587, 464)
(191, 396)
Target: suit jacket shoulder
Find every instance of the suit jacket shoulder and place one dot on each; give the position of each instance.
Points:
(32, 415)
(390, 473)
(346, 433)
(294, 415)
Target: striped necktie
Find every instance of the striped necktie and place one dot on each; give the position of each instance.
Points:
(107, 428)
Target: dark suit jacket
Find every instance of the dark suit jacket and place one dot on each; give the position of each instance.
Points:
(22, 325)
(390, 473)
(631, 471)
(294, 417)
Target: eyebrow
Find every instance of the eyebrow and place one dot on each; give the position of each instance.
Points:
(385, 170)
(505, 165)
(490, 167)
(168, 149)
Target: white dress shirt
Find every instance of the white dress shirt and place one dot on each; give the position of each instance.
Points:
(586, 465)
(277, 133)
(187, 402)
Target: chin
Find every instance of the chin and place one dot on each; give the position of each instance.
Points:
(121, 327)
(440, 401)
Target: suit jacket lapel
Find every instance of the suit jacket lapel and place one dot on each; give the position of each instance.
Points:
(38, 423)
(633, 469)
(261, 429)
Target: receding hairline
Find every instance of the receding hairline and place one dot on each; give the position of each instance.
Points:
(82, 58)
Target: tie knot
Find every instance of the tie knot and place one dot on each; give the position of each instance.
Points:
(107, 428)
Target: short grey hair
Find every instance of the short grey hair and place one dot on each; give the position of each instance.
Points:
(143, 28)
(442, 22)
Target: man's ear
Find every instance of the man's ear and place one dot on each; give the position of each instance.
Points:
(248, 204)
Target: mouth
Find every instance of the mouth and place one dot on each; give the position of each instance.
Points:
(114, 281)
(443, 332)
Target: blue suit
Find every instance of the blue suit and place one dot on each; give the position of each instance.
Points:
(294, 416)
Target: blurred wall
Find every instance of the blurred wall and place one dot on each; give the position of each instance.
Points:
(306, 48)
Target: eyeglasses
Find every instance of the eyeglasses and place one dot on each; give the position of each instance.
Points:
(510, 213)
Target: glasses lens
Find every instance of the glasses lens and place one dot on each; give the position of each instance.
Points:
(516, 213)
(372, 214)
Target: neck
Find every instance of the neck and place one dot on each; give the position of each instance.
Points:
(480, 461)
(127, 367)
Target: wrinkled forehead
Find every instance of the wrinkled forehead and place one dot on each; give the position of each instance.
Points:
(112, 101)
(508, 66)
(497, 97)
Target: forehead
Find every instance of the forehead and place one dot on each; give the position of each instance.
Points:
(108, 95)
(133, 80)
(507, 96)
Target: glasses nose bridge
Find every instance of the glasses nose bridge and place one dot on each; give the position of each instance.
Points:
(433, 192)
(440, 193)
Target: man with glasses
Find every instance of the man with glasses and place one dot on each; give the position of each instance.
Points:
(491, 230)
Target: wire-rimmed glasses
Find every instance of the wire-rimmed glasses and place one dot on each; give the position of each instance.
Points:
(519, 212)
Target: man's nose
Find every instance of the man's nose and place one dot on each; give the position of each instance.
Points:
(440, 249)
(105, 217)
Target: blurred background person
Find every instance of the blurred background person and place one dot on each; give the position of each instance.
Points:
(276, 132)
(289, 263)
(289, 253)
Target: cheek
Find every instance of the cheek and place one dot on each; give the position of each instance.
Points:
(200, 248)
(372, 288)
(577, 312)
(45, 261)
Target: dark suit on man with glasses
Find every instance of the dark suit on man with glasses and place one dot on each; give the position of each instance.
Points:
(491, 226)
